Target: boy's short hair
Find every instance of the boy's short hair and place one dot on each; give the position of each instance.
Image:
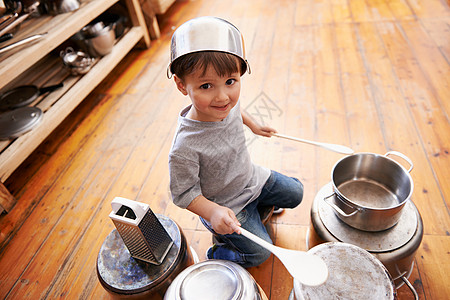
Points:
(223, 63)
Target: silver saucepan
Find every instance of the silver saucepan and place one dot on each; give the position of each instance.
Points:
(370, 190)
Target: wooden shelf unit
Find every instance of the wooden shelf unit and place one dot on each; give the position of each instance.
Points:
(57, 105)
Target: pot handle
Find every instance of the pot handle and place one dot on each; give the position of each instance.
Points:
(402, 156)
(337, 209)
(406, 281)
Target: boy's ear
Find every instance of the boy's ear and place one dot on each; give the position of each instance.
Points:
(180, 84)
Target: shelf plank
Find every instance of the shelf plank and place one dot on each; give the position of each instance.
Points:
(24, 145)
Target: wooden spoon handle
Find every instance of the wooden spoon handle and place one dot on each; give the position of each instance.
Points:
(331, 147)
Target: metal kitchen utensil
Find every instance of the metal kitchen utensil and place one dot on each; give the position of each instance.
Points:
(18, 20)
(7, 21)
(6, 37)
(141, 231)
(308, 269)
(16, 122)
(331, 147)
(22, 42)
(207, 34)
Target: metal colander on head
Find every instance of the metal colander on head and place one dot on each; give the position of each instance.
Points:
(140, 229)
(207, 34)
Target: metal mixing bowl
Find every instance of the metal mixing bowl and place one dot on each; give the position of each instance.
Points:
(99, 44)
(207, 34)
(55, 7)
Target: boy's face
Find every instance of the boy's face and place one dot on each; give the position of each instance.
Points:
(212, 96)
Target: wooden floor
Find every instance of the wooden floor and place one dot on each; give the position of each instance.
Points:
(370, 74)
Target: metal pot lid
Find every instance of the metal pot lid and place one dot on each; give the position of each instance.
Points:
(212, 279)
(380, 241)
(19, 121)
(353, 274)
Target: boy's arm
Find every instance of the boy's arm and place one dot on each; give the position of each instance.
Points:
(222, 219)
(255, 127)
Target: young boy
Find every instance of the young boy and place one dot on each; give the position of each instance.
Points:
(211, 173)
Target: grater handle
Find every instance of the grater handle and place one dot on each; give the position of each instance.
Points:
(138, 208)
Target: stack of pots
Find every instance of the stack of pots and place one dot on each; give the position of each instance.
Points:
(371, 190)
(367, 204)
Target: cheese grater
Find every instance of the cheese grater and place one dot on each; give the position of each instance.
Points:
(140, 229)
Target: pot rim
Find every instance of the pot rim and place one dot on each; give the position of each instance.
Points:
(360, 207)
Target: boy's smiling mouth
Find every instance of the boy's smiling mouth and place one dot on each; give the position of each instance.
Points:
(222, 107)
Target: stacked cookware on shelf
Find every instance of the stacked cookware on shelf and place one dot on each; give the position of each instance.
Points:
(18, 110)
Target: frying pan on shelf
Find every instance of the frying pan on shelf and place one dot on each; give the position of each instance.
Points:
(24, 95)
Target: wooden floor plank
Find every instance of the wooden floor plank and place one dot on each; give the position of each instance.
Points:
(361, 110)
(406, 130)
(332, 126)
(433, 261)
(439, 31)
(400, 9)
(429, 9)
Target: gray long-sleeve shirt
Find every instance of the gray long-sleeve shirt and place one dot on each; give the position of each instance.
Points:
(211, 159)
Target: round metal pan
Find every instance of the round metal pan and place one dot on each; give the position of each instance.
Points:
(24, 95)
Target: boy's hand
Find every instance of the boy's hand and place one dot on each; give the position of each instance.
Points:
(224, 221)
(264, 131)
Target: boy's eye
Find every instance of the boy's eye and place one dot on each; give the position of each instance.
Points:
(230, 81)
(205, 86)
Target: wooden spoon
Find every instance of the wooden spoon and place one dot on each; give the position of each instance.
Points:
(308, 269)
(332, 147)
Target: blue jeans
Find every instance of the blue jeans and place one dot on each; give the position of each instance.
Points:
(279, 190)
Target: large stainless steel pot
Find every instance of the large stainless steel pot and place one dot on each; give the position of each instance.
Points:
(214, 279)
(370, 190)
(353, 274)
